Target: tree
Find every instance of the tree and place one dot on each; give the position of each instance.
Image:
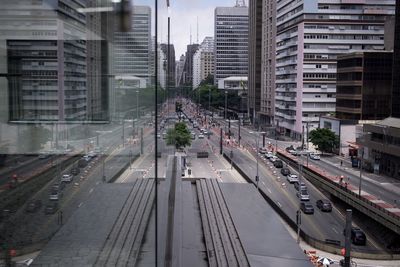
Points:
(324, 139)
(179, 136)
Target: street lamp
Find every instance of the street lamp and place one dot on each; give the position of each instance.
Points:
(256, 135)
(137, 111)
(226, 103)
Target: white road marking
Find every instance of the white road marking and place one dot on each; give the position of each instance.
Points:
(336, 231)
(279, 204)
(269, 190)
(91, 191)
(80, 204)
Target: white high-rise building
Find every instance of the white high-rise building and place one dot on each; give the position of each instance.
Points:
(162, 68)
(231, 41)
(132, 50)
(310, 34)
(203, 61)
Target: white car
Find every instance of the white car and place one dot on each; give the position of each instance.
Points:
(201, 136)
(303, 195)
(67, 178)
(269, 155)
(292, 178)
(262, 150)
(273, 158)
(314, 156)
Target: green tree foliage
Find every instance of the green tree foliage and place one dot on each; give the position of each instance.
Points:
(324, 139)
(179, 136)
(33, 138)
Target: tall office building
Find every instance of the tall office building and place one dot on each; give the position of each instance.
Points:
(132, 50)
(310, 34)
(100, 31)
(268, 57)
(179, 69)
(162, 68)
(203, 61)
(170, 62)
(395, 107)
(231, 41)
(186, 78)
(44, 58)
(255, 52)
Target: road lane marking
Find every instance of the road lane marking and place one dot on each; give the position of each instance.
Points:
(91, 191)
(80, 204)
(279, 204)
(334, 229)
(269, 190)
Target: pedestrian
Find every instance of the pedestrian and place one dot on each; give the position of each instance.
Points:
(341, 180)
(341, 163)
(345, 185)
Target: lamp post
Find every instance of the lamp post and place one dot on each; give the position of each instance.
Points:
(256, 135)
(226, 103)
(137, 110)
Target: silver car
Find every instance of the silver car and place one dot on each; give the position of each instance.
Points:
(303, 195)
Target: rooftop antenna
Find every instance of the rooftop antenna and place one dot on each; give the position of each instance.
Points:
(197, 41)
(190, 34)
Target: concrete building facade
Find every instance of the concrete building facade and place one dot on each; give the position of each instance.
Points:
(132, 50)
(255, 54)
(364, 85)
(310, 35)
(231, 41)
(45, 58)
(267, 103)
(186, 79)
(171, 62)
(203, 61)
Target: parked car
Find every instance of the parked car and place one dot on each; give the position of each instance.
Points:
(357, 236)
(285, 171)
(51, 207)
(314, 156)
(303, 195)
(324, 205)
(302, 186)
(268, 155)
(262, 150)
(278, 163)
(292, 178)
(67, 178)
(307, 208)
(273, 158)
(57, 186)
(55, 195)
(75, 171)
(201, 136)
(33, 205)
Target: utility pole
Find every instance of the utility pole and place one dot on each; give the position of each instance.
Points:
(226, 103)
(220, 142)
(347, 242)
(361, 167)
(239, 136)
(299, 210)
(141, 141)
(229, 129)
(123, 133)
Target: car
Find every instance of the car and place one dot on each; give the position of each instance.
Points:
(55, 195)
(51, 208)
(324, 205)
(278, 163)
(292, 178)
(87, 158)
(57, 187)
(357, 236)
(262, 150)
(303, 195)
(158, 136)
(273, 158)
(269, 155)
(75, 171)
(201, 136)
(33, 205)
(44, 155)
(302, 186)
(314, 156)
(285, 171)
(67, 178)
(307, 208)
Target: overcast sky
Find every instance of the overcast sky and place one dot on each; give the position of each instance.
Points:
(184, 14)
